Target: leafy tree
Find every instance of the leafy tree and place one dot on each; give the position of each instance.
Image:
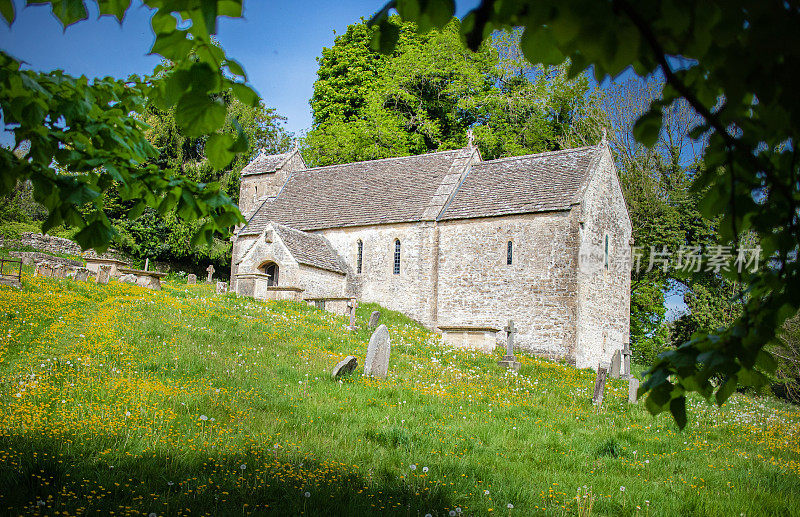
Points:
(83, 136)
(734, 63)
(426, 94)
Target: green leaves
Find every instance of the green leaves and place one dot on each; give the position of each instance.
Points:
(648, 127)
(115, 8)
(538, 46)
(67, 11)
(198, 115)
(7, 11)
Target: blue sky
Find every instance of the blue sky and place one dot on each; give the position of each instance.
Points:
(276, 41)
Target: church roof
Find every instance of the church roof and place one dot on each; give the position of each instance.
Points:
(309, 249)
(265, 163)
(396, 190)
(523, 184)
(391, 190)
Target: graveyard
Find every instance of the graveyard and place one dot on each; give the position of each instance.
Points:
(125, 400)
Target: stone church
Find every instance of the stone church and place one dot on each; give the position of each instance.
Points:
(460, 244)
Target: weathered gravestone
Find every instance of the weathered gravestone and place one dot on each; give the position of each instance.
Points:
(345, 367)
(210, 270)
(509, 360)
(633, 388)
(45, 270)
(103, 272)
(191, 279)
(82, 274)
(222, 287)
(380, 346)
(59, 271)
(616, 365)
(70, 274)
(626, 360)
(374, 318)
(128, 279)
(352, 305)
(38, 270)
(599, 385)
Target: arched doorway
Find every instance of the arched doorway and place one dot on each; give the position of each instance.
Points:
(270, 269)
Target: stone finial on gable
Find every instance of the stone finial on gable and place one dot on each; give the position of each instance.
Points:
(470, 138)
(604, 139)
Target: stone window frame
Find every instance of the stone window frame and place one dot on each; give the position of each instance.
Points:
(397, 256)
(359, 256)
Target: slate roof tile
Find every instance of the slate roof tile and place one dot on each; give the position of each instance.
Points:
(309, 249)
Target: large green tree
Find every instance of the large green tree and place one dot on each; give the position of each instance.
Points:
(734, 63)
(430, 90)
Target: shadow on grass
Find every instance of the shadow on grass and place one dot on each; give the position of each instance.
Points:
(36, 476)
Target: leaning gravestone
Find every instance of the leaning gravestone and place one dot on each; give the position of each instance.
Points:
(380, 346)
(374, 318)
(191, 279)
(345, 367)
(352, 305)
(222, 287)
(616, 365)
(626, 360)
(102, 274)
(599, 385)
(82, 274)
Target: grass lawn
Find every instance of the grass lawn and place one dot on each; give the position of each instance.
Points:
(116, 399)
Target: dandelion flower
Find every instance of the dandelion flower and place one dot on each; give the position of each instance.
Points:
(307, 495)
(510, 506)
(242, 466)
(413, 467)
(452, 513)
(203, 418)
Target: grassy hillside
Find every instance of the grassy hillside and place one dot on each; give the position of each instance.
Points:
(118, 399)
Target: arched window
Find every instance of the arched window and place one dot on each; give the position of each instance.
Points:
(397, 256)
(605, 254)
(270, 269)
(510, 253)
(360, 256)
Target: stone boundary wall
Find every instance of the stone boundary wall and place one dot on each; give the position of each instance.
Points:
(30, 258)
(53, 244)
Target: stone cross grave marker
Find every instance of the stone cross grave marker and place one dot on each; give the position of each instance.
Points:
(616, 364)
(633, 388)
(147, 264)
(82, 274)
(599, 385)
(374, 318)
(210, 270)
(352, 305)
(626, 360)
(345, 367)
(191, 279)
(509, 360)
(380, 346)
(222, 287)
(103, 272)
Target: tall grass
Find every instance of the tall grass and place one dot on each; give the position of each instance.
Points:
(180, 402)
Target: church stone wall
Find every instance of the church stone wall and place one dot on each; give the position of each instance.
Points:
(319, 283)
(478, 288)
(603, 294)
(255, 188)
(410, 291)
